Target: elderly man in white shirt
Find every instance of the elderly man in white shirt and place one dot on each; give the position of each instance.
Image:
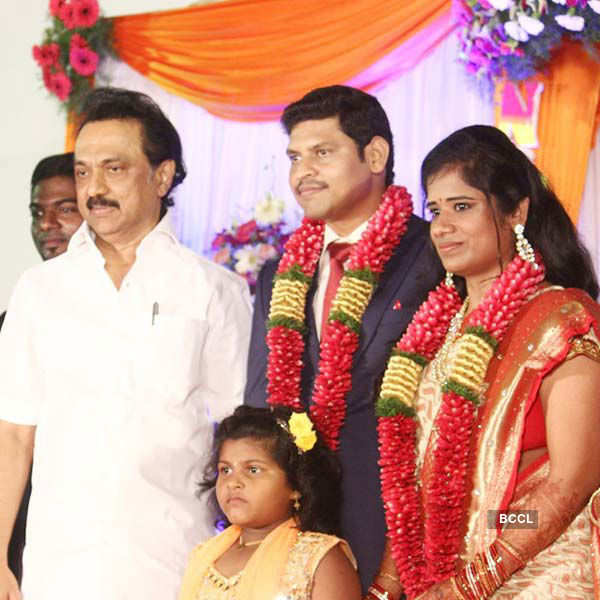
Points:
(116, 358)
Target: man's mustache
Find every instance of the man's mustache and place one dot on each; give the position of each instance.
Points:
(94, 201)
(310, 183)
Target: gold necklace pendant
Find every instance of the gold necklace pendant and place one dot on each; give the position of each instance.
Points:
(440, 365)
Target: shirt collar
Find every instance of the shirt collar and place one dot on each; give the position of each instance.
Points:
(85, 237)
(353, 237)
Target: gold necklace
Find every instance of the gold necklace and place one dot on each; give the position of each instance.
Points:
(439, 365)
(244, 544)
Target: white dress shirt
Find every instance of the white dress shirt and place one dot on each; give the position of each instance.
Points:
(330, 237)
(124, 387)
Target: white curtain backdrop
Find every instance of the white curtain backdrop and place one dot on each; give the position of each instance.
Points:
(231, 166)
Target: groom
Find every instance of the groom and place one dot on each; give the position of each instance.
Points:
(342, 161)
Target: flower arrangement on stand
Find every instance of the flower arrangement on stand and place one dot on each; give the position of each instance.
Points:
(72, 48)
(516, 37)
(245, 248)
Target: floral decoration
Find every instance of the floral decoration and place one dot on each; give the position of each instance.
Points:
(71, 49)
(245, 248)
(516, 37)
(302, 431)
(426, 537)
(340, 337)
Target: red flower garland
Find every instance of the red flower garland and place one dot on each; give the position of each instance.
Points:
(338, 340)
(426, 552)
(397, 446)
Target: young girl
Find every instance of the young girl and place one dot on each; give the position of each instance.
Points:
(279, 486)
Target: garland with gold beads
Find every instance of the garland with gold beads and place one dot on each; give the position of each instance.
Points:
(426, 540)
(340, 337)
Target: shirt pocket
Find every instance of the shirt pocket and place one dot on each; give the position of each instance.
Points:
(170, 352)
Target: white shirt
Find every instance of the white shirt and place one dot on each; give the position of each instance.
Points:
(124, 410)
(329, 237)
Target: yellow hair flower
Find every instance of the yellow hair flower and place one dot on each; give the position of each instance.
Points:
(301, 428)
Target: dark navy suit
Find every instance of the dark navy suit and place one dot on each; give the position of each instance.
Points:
(410, 273)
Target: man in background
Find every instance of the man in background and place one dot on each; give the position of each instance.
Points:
(53, 206)
(54, 213)
(54, 219)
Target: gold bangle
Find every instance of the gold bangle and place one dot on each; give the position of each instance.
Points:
(456, 589)
(594, 518)
(389, 576)
(492, 566)
(484, 574)
(512, 551)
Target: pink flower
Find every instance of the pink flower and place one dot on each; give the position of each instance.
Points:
(67, 15)
(266, 251)
(77, 41)
(46, 55)
(83, 60)
(86, 12)
(223, 256)
(55, 7)
(60, 85)
(219, 240)
(245, 231)
(46, 74)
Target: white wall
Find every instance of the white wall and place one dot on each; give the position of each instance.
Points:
(32, 124)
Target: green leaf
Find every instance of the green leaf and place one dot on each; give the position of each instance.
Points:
(295, 273)
(390, 406)
(364, 275)
(417, 358)
(345, 319)
(453, 386)
(288, 322)
(480, 332)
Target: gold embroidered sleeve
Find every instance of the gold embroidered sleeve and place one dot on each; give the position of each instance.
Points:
(586, 345)
(303, 561)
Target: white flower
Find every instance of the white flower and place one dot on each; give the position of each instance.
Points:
(570, 22)
(247, 260)
(531, 25)
(501, 4)
(270, 210)
(563, 2)
(594, 5)
(515, 31)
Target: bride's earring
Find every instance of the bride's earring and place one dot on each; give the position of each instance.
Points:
(524, 249)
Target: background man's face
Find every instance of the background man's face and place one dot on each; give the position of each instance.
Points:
(118, 192)
(54, 215)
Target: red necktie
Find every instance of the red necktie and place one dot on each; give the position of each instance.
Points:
(338, 254)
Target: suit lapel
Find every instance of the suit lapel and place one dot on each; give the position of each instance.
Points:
(386, 293)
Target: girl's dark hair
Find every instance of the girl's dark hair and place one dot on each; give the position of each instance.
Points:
(316, 473)
(489, 161)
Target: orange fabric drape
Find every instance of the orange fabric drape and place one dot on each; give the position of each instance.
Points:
(567, 122)
(239, 54)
